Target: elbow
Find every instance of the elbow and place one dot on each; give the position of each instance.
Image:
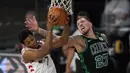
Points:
(47, 51)
(42, 53)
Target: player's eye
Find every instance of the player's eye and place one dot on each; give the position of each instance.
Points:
(28, 42)
(82, 21)
(32, 39)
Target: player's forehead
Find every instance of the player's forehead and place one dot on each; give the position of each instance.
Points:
(81, 19)
(29, 37)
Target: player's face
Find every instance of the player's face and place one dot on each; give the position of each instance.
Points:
(30, 41)
(83, 25)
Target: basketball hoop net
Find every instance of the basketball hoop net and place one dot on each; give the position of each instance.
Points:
(66, 4)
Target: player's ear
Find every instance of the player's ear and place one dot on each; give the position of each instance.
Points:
(22, 45)
(90, 24)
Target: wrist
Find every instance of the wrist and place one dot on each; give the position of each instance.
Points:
(68, 65)
(38, 30)
(49, 30)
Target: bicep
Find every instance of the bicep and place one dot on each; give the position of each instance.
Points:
(58, 42)
(71, 52)
(72, 42)
(29, 55)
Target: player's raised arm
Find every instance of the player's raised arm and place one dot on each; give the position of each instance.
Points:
(69, 59)
(32, 24)
(63, 39)
(45, 48)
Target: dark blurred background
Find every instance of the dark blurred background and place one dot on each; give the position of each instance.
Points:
(12, 15)
(111, 17)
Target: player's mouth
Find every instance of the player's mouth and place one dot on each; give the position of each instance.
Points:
(82, 28)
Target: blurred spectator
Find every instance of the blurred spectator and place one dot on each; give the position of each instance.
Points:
(16, 49)
(116, 13)
(59, 59)
(30, 14)
(121, 48)
(128, 68)
(57, 30)
(76, 65)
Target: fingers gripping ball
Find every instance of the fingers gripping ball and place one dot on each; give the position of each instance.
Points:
(60, 13)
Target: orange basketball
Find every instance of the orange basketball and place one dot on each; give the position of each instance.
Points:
(61, 13)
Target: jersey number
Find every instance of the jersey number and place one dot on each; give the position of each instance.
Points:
(46, 59)
(101, 60)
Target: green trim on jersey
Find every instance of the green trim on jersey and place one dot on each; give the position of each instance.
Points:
(82, 63)
(82, 58)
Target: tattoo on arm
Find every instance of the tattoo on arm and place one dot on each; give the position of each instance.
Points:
(43, 33)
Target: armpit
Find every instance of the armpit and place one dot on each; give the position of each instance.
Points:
(73, 40)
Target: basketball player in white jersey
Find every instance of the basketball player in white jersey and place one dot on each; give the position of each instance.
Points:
(35, 56)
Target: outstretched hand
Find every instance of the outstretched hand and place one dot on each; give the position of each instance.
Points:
(52, 20)
(32, 24)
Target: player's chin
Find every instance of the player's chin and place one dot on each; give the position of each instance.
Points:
(32, 46)
(81, 32)
(85, 32)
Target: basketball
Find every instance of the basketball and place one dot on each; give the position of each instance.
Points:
(61, 13)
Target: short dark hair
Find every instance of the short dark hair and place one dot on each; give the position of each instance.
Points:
(23, 35)
(83, 14)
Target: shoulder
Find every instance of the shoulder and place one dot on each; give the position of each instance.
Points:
(27, 54)
(76, 33)
(103, 36)
(75, 37)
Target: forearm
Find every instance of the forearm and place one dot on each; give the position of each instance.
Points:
(48, 43)
(45, 48)
(48, 39)
(70, 56)
(65, 34)
(42, 32)
(63, 39)
(69, 59)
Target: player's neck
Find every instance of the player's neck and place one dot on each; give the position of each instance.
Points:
(90, 34)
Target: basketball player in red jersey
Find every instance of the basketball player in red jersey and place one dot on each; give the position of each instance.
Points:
(38, 60)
